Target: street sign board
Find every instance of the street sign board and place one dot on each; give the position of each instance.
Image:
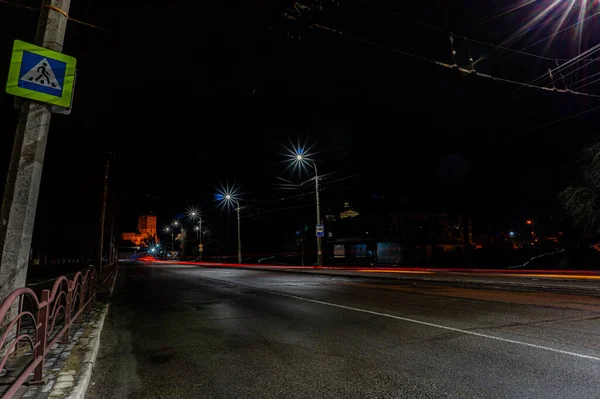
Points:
(320, 230)
(40, 74)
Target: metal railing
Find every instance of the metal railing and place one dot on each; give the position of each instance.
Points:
(33, 323)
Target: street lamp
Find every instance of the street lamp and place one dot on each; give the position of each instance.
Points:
(229, 198)
(301, 158)
(168, 229)
(194, 215)
(199, 232)
(176, 223)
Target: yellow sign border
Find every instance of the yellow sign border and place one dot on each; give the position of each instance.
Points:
(12, 84)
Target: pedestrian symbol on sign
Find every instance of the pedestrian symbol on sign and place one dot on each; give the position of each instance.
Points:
(42, 74)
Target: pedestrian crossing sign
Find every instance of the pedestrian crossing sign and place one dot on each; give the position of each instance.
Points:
(40, 74)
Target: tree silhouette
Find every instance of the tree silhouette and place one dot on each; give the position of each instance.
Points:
(582, 201)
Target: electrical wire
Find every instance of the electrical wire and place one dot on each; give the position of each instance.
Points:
(464, 70)
(562, 119)
(562, 67)
(575, 70)
(38, 9)
(589, 83)
(586, 78)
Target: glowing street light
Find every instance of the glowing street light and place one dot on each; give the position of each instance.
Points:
(193, 214)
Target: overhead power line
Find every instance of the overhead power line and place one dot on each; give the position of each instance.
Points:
(471, 72)
(561, 68)
(587, 111)
(38, 9)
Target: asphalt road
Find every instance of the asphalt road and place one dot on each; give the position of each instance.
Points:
(192, 332)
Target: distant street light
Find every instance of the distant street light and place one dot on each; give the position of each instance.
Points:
(300, 158)
(229, 198)
(177, 223)
(168, 229)
(194, 215)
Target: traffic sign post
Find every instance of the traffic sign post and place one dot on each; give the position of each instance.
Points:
(21, 191)
(320, 230)
(37, 73)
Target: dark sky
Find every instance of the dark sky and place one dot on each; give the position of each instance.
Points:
(190, 95)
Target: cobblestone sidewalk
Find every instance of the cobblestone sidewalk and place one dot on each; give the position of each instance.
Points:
(65, 360)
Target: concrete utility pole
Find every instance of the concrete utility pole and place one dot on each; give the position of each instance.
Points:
(239, 235)
(103, 216)
(111, 251)
(25, 170)
(319, 239)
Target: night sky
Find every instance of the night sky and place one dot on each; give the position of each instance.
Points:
(191, 95)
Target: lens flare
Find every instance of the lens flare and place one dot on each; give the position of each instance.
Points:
(558, 16)
(298, 157)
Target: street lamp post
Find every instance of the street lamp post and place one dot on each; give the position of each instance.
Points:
(199, 231)
(182, 233)
(229, 198)
(168, 229)
(194, 215)
(301, 159)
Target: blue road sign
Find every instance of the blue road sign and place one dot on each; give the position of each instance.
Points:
(320, 230)
(40, 74)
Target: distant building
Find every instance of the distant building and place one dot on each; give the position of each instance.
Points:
(146, 227)
(377, 233)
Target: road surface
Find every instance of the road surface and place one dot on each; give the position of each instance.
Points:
(182, 331)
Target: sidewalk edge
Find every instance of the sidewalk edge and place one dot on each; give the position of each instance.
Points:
(85, 376)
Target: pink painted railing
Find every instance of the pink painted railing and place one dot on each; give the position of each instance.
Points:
(48, 318)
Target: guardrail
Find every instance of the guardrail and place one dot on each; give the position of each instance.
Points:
(34, 324)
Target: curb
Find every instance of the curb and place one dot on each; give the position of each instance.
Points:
(85, 376)
(83, 382)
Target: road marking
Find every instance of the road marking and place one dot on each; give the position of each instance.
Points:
(393, 271)
(561, 276)
(424, 323)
